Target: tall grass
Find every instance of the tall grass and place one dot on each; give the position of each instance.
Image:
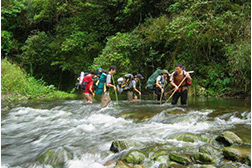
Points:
(16, 84)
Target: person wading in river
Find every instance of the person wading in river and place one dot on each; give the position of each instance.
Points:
(87, 85)
(161, 81)
(130, 93)
(105, 98)
(176, 78)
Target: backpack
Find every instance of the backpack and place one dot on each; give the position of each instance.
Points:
(101, 84)
(151, 82)
(85, 83)
(125, 84)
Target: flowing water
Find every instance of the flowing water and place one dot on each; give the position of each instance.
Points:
(31, 128)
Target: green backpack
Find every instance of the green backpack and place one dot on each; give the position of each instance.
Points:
(152, 79)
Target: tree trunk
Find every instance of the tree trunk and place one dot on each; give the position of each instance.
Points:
(60, 80)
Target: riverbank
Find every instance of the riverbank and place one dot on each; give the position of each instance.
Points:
(17, 85)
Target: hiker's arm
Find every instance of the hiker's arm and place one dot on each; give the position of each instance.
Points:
(173, 84)
(188, 77)
(135, 89)
(91, 90)
(162, 90)
(110, 85)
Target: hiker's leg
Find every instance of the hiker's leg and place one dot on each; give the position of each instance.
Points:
(183, 97)
(130, 95)
(158, 93)
(175, 98)
(105, 99)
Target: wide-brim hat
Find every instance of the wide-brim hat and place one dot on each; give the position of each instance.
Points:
(165, 72)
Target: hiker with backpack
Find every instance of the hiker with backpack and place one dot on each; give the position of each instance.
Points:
(133, 88)
(87, 86)
(105, 97)
(180, 79)
(161, 82)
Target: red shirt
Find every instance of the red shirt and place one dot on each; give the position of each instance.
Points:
(89, 81)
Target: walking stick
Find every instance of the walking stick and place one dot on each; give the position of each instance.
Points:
(140, 90)
(115, 90)
(175, 90)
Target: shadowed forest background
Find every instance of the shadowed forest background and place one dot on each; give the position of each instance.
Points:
(54, 40)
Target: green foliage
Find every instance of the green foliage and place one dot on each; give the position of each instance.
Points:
(62, 38)
(17, 85)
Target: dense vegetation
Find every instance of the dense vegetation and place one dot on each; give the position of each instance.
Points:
(54, 40)
(17, 85)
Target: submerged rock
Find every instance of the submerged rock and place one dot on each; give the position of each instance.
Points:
(138, 166)
(134, 157)
(175, 165)
(237, 153)
(208, 149)
(55, 157)
(204, 158)
(229, 138)
(121, 164)
(179, 159)
(189, 137)
(202, 166)
(119, 145)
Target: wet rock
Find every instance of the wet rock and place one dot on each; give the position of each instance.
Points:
(138, 166)
(210, 150)
(55, 157)
(236, 153)
(248, 159)
(233, 165)
(163, 165)
(179, 159)
(202, 166)
(134, 157)
(187, 137)
(175, 165)
(121, 164)
(204, 158)
(109, 163)
(160, 156)
(119, 145)
(229, 138)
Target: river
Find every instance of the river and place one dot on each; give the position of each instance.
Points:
(30, 128)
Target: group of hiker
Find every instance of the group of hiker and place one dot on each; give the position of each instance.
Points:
(99, 82)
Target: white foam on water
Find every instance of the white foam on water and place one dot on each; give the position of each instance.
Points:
(86, 127)
(87, 160)
(107, 120)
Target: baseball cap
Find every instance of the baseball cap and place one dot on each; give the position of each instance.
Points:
(139, 76)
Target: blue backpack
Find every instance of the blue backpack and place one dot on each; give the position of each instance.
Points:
(101, 84)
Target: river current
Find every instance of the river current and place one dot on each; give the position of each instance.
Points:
(30, 128)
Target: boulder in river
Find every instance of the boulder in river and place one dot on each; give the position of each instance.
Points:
(134, 157)
(55, 157)
(179, 159)
(237, 153)
(204, 158)
(119, 145)
(229, 138)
